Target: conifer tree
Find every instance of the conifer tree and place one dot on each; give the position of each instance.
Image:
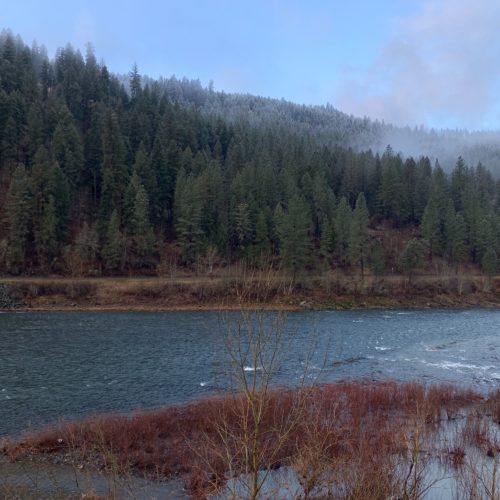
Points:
(86, 244)
(141, 231)
(115, 175)
(58, 188)
(294, 231)
(412, 257)
(358, 248)
(190, 236)
(18, 220)
(68, 149)
(47, 244)
(342, 228)
(242, 227)
(455, 235)
(489, 262)
(112, 252)
(376, 259)
(431, 227)
(261, 247)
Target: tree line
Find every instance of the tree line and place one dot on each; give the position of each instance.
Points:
(98, 175)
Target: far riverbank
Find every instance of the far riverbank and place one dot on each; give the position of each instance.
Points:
(246, 290)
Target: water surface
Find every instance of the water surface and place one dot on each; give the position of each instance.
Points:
(55, 365)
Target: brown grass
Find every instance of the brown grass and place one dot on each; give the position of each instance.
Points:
(360, 435)
(248, 290)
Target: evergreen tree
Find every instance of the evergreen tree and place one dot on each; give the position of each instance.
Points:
(68, 149)
(115, 175)
(455, 234)
(376, 259)
(412, 257)
(47, 244)
(141, 231)
(489, 262)
(262, 245)
(431, 227)
(242, 227)
(18, 220)
(86, 244)
(358, 248)
(190, 236)
(135, 82)
(294, 232)
(112, 252)
(342, 229)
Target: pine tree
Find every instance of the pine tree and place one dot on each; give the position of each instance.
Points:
(358, 248)
(135, 82)
(294, 231)
(431, 227)
(376, 259)
(115, 174)
(86, 244)
(58, 188)
(18, 219)
(242, 227)
(47, 244)
(112, 252)
(190, 236)
(262, 244)
(68, 149)
(412, 257)
(342, 229)
(489, 262)
(455, 235)
(129, 199)
(141, 231)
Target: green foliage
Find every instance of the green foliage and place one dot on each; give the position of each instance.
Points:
(112, 251)
(358, 248)
(262, 246)
(455, 235)
(376, 259)
(47, 244)
(342, 229)
(489, 262)
(141, 231)
(108, 173)
(412, 256)
(18, 220)
(188, 208)
(68, 149)
(294, 231)
(431, 227)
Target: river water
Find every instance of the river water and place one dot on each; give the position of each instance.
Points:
(68, 365)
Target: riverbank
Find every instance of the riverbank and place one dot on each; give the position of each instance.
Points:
(362, 437)
(246, 290)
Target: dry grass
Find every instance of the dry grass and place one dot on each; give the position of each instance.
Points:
(357, 437)
(225, 289)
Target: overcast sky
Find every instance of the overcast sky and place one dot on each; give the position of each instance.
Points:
(408, 62)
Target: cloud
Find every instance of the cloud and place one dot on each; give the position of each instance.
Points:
(441, 68)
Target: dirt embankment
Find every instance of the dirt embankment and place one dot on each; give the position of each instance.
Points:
(273, 291)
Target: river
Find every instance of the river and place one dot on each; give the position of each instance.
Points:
(69, 365)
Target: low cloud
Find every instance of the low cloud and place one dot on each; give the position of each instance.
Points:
(441, 68)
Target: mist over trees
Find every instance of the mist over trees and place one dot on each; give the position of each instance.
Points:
(98, 175)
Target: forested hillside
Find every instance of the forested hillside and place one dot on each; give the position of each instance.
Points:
(101, 177)
(330, 126)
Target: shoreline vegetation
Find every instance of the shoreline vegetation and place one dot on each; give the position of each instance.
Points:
(242, 289)
(352, 439)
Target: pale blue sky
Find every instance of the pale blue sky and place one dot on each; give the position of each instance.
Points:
(431, 62)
